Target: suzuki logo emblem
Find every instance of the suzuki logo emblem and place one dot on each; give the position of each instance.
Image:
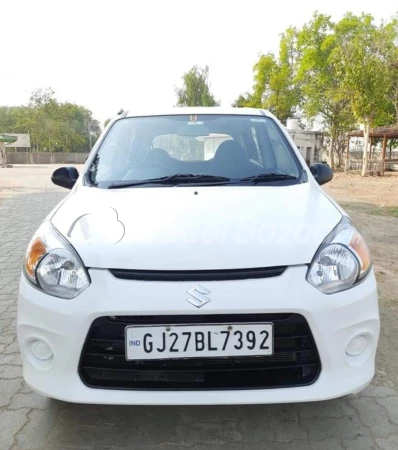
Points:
(198, 296)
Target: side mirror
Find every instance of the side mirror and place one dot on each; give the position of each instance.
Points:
(65, 177)
(322, 173)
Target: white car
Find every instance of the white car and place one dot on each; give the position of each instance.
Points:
(165, 277)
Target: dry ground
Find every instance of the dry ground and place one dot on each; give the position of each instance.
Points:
(27, 179)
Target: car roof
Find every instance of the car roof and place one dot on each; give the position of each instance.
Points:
(195, 110)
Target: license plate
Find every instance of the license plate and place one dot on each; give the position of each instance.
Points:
(199, 341)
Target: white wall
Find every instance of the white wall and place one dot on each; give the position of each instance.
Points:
(309, 143)
(23, 140)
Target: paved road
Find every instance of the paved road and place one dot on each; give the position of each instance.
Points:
(28, 421)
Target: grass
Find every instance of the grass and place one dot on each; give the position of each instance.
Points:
(368, 208)
(392, 211)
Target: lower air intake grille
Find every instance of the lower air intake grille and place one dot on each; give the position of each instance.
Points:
(295, 361)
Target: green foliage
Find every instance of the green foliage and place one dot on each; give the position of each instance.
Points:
(362, 57)
(195, 90)
(323, 97)
(274, 87)
(53, 126)
(393, 82)
(244, 100)
(340, 74)
(322, 94)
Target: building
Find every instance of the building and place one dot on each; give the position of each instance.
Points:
(22, 144)
(4, 140)
(310, 143)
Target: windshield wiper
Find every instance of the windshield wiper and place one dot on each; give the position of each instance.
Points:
(271, 176)
(173, 180)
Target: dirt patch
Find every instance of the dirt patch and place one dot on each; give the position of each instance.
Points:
(380, 192)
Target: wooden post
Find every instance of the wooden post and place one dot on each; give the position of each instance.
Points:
(383, 155)
(347, 157)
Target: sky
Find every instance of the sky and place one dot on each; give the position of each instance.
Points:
(131, 54)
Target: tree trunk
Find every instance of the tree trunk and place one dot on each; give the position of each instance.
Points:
(2, 154)
(331, 152)
(365, 150)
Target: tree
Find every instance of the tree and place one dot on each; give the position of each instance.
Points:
(392, 95)
(317, 73)
(53, 126)
(274, 86)
(40, 97)
(196, 89)
(362, 55)
(242, 101)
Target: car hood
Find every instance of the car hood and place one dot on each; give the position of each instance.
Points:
(196, 228)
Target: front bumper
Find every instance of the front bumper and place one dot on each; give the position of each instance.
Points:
(333, 319)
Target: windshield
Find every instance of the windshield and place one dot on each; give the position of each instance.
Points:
(184, 149)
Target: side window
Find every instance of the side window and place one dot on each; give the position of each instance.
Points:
(115, 151)
(282, 154)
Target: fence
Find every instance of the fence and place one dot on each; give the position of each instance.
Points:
(45, 158)
(376, 154)
(375, 166)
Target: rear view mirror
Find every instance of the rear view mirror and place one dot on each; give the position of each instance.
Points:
(65, 177)
(322, 173)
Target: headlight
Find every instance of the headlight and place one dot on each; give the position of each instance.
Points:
(53, 265)
(342, 260)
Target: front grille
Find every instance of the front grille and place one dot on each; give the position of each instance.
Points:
(201, 275)
(295, 361)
